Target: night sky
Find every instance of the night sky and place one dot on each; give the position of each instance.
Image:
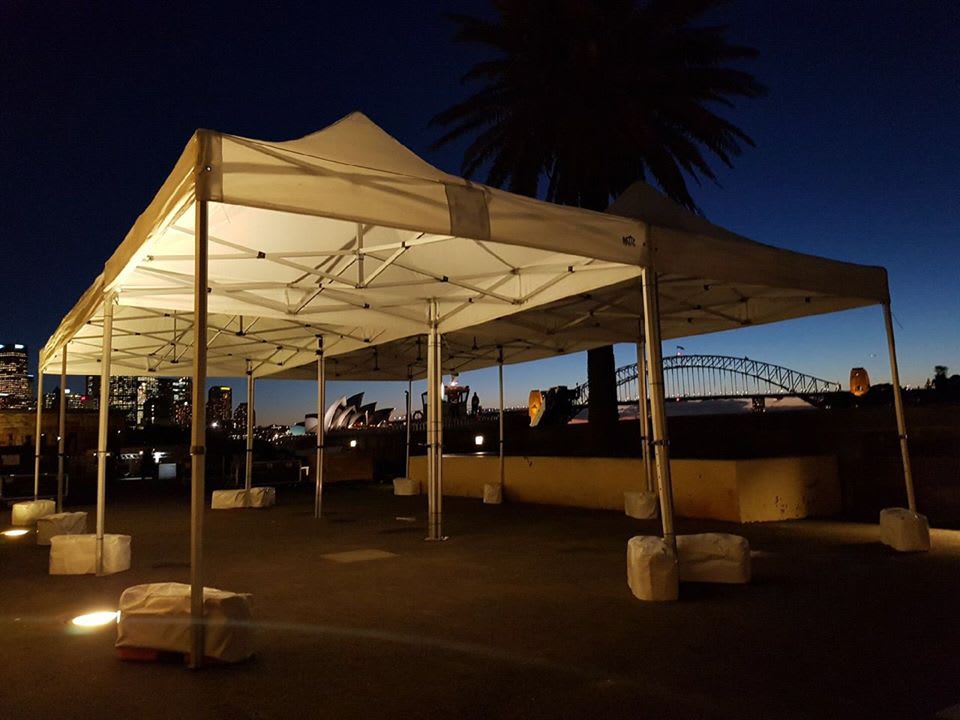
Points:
(857, 154)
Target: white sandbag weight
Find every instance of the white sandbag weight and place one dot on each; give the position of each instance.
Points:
(28, 512)
(261, 497)
(492, 493)
(229, 499)
(69, 523)
(904, 530)
(77, 554)
(652, 569)
(713, 557)
(406, 486)
(156, 616)
(640, 504)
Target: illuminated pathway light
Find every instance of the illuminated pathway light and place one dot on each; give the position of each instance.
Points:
(18, 532)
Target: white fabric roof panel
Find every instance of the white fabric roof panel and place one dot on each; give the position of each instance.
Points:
(348, 234)
(690, 245)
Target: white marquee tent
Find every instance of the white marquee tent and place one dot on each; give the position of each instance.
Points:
(341, 250)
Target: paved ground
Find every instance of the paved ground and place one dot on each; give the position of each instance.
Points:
(523, 613)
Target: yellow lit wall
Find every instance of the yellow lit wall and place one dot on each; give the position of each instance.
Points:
(733, 490)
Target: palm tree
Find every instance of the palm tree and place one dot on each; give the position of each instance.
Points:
(580, 98)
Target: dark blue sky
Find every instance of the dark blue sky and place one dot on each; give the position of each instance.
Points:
(857, 154)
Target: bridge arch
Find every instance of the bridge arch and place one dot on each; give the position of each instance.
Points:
(722, 376)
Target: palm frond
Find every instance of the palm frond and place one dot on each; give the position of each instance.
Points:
(594, 94)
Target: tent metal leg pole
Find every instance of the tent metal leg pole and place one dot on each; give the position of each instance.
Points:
(642, 412)
(62, 429)
(434, 430)
(661, 443)
(500, 380)
(406, 472)
(198, 434)
(898, 405)
(439, 365)
(431, 436)
(251, 400)
(36, 442)
(321, 434)
(103, 426)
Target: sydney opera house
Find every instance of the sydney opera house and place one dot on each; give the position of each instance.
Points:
(350, 412)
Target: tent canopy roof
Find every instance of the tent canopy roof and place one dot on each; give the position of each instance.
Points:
(348, 235)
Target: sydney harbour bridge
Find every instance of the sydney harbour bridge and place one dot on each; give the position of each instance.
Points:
(702, 377)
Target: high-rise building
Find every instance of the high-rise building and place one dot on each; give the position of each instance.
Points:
(180, 389)
(135, 395)
(14, 381)
(147, 389)
(124, 396)
(75, 401)
(220, 406)
(92, 390)
(240, 419)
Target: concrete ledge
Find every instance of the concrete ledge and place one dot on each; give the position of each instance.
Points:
(732, 490)
(640, 504)
(652, 569)
(406, 486)
(71, 523)
(29, 511)
(904, 530)
(77, 554)
(713, 558)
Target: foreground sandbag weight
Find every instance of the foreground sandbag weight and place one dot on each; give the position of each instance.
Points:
(406, 486)
(640, 504)
(29, 511)
(68, 523)
(156, 616)
(904, 530)
(652, 569)
(714, 558)
(77, 554)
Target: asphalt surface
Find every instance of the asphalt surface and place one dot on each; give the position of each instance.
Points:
(523, 612)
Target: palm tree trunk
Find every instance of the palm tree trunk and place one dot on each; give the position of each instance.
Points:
(602, 403)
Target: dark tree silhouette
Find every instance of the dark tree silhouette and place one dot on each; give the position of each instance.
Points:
(580, 98)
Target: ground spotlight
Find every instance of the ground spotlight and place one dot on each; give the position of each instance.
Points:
(17, 532)
(96, 619)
